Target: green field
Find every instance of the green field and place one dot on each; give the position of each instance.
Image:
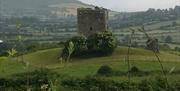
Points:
(154, 30)
(143, 59)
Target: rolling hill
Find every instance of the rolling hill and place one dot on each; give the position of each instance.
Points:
(35, 4)
(83, 67)
(60, 7)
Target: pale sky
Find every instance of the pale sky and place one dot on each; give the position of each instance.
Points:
(133, 5)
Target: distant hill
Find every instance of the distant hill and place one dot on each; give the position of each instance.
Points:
(61, 7)
(148, 17)
(34, 4)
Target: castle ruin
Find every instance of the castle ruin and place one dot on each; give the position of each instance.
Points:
(91, 21)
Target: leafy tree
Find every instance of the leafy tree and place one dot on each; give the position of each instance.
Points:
(99, 44)
(3, 49)
(168, 39)
(174, 23)
(74, 47)
(102, 42)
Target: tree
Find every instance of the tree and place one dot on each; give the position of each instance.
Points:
(174, 23)
(3, 49)
(177, 49)
(168, 39)
(98, 44)
(102, 42)
(74, 47)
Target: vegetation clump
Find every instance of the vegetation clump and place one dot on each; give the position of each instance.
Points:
(79, 46)
(100, 84)
(134, 69)
(103, 42)
(99, 44)
(34, 80)
(105, 70)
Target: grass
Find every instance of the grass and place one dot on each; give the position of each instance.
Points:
(153, 30)
(8, 67)
(143, 59)
(44, 57)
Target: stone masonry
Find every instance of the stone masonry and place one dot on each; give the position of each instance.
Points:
(91, 21)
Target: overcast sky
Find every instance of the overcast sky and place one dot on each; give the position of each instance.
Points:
(133, 5)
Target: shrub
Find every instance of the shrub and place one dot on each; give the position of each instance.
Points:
(134, 69)
(168, 39)
(137, 72)
(160, 84)
(105, 70)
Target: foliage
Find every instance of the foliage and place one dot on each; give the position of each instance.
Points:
(12, 52)
(177, 49)
(100, 84)
(102, 42)
(3, 49)
(105, 70)
(45, 80)
(37, 81)
(74, 46)
(93, 84)
(134, 69)
(148, 17)
(168, 39)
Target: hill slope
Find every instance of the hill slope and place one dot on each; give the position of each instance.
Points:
(141, 58)
(50, 57)
(42, 6)
(34, 4)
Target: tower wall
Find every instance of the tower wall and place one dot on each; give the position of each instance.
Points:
(91, 21)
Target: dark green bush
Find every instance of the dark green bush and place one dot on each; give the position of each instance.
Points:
(105, 71)
(134, 69)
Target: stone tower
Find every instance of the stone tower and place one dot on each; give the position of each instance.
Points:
(91, 21)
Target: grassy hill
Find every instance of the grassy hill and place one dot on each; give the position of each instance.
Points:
(59, 6)
(160, 30)
(34, 4)
(143, 59)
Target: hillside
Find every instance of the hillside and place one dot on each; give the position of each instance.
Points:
(83, 67)
(26, 7)
(34, 4)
